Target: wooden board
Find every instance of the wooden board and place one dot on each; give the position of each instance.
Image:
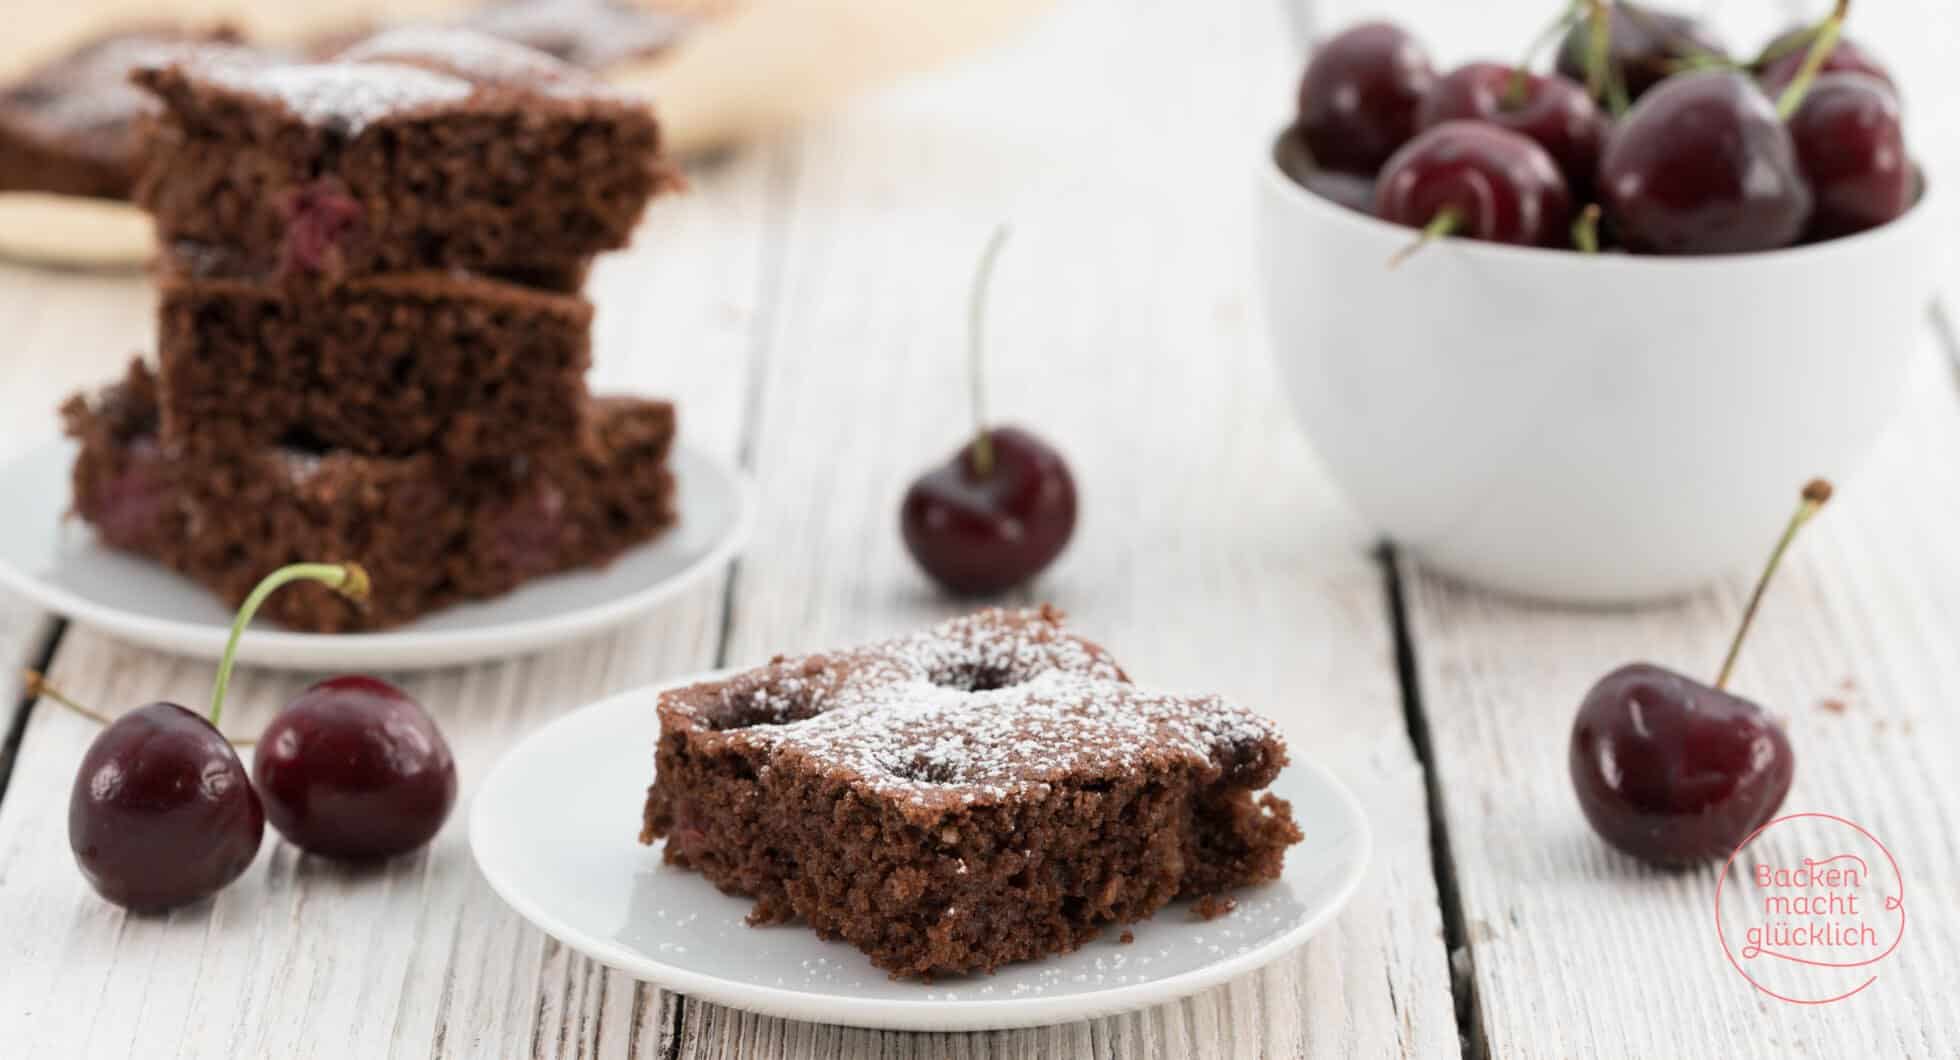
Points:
(1854, 647)
(806, 304)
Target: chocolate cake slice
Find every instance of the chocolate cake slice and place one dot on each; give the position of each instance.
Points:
(988, 791)
(69, 126)
(429, 532)
(463, 366)
(420, 148)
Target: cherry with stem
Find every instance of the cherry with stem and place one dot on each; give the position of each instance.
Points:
(1475, 179)
(1002, 508)
(1585, 230)
(1674, 771)
(162, 812)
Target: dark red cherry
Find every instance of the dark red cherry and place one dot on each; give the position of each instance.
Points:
(1553, 111)
(322, 221)
(1703, 165)
(355, 769)
(1788, 52)
(1360, 95)
(1851, 147)
(162, 813)
(985, 523)
(1673, 771)
(1646, 46)
(1474, 179)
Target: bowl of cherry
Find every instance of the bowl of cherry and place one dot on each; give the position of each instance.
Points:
(1563, 328)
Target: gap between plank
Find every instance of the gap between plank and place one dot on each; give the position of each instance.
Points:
(16, 732)
(1456, 936)
(1945, 335)
(778, 194)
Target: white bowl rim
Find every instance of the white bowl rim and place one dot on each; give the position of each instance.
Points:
(1917, 216)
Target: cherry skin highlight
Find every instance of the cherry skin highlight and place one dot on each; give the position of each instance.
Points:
(1496, 185)
(1851, 147)
(354, 769)
(979, 531)
(1359, 97)
(162, 813)
(1673, 771)
(1703, 165)
(1552, 111)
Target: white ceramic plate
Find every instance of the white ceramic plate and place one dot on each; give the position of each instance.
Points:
(57, 563)
(554, 828)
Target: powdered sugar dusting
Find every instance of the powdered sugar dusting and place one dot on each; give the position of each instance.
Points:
(92, 90)
(587, 33)
(475, 57)
(973, 710)
(345, 95)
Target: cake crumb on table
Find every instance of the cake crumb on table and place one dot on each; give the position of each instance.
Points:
(1213, 906)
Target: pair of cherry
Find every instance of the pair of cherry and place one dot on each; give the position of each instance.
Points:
(163, 812)
(1703, 162)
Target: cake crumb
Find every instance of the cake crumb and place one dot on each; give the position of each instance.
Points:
(1835, 706)
(1127, 937)
(1213, 906)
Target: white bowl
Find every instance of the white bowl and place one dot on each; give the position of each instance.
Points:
(1599, 429)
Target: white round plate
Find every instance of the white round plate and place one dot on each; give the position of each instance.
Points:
(58, 563)
(555, 830)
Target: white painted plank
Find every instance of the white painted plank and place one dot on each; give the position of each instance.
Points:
(1579, 951)
(303, 958)
(1210, 555)
(62, 330)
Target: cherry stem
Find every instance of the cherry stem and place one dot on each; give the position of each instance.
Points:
(1599, 49)
(1446, 221)
(1692, 55)
(39, 688)
(1585, 230)
(1813, 61)
(1783, 46)
(1517, 92)
(347, 579)
(976, 347)
(1814, 495)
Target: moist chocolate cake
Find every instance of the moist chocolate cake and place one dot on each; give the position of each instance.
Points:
(988, 791)
(69, 126)
(420, 148)
(391, 365)
(430, 533)
(593, 34)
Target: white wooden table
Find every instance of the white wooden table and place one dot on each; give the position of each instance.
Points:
(804, 305)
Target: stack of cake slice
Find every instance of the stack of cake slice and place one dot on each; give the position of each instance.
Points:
(372, 345)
